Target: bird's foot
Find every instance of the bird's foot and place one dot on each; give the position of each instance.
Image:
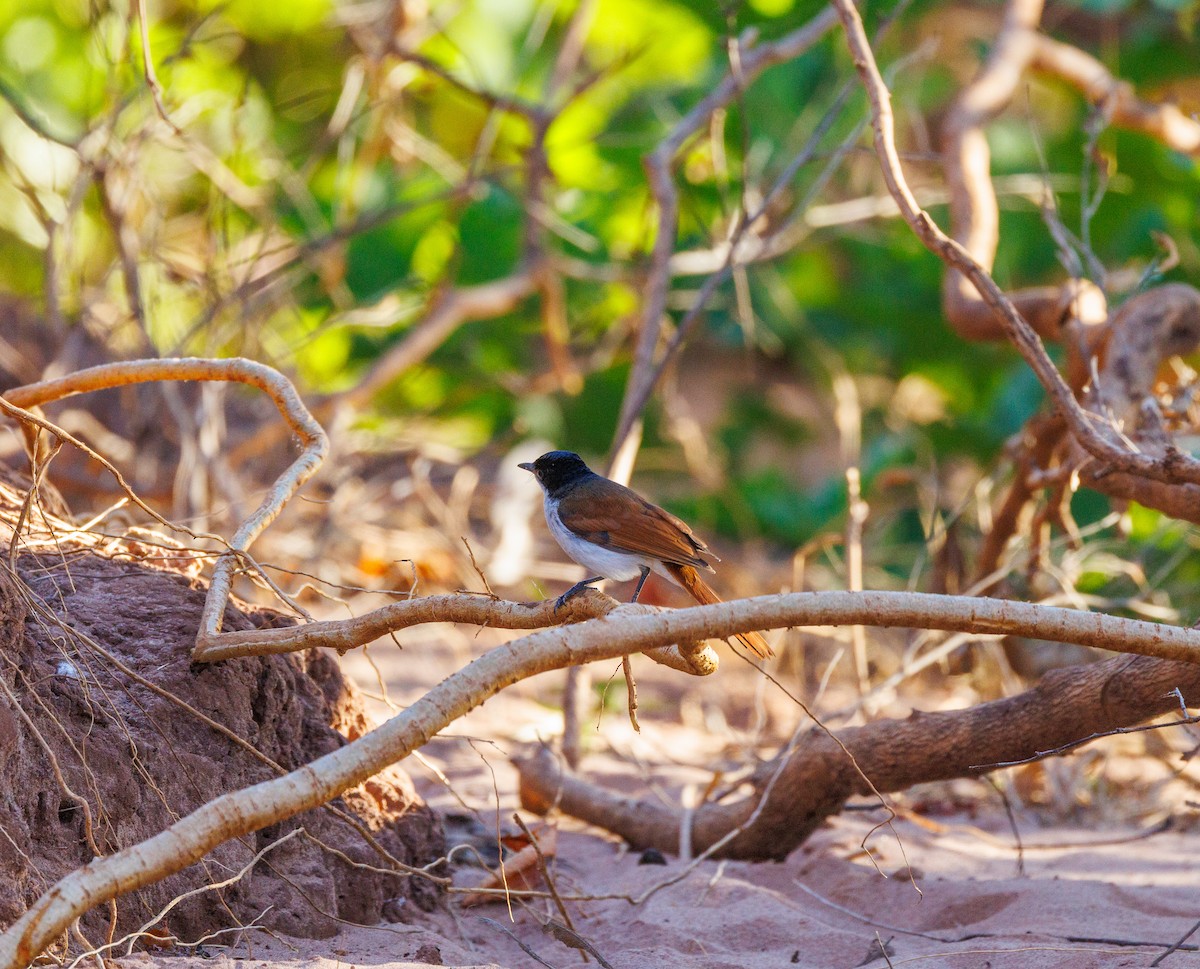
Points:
(641, 582)
(577, 588)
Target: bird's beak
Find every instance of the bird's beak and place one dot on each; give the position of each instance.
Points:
(524, 465)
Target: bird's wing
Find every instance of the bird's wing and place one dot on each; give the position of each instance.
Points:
(612, 515)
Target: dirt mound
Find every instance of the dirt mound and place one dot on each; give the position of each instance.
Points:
(99, 750)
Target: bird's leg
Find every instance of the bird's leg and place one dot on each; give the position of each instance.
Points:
(577, 588)
(641, 582)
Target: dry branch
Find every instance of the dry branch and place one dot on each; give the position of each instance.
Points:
(647, 627)
(346, 634)
(813, 780)
(1094, 434)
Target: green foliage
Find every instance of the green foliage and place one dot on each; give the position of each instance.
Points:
(325, 191)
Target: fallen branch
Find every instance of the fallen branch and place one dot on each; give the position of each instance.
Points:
(793, 795)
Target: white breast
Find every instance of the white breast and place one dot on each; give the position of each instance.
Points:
(619, 566)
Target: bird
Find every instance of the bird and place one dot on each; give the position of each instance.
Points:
(615, 533)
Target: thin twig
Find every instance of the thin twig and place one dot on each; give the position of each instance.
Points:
(1082, 741)
(630, 692)
(751, 62)
(1012, 823)
(545, 870)
(1177, 945)
(478, 571)
(148, 64)
(524, 948)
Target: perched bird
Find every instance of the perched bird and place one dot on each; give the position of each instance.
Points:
(617, 534)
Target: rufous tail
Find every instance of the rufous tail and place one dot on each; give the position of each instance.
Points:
(700, 590)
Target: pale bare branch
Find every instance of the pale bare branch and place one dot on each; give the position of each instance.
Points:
(347, 634)
(448, 312)
(1163, 120)
(651, 627)
(271, 382)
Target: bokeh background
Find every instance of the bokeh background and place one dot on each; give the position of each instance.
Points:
(312, 184)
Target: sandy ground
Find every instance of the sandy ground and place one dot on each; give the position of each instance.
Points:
(945, 886)
(1083, 901)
